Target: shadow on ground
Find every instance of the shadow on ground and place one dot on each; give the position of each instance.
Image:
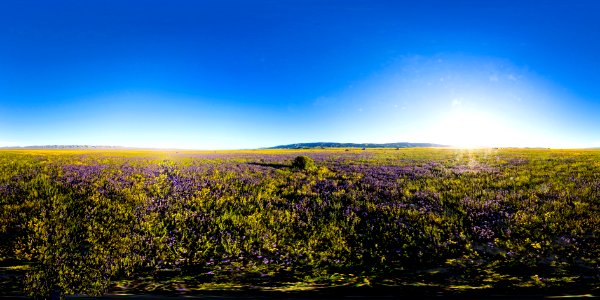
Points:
(270, 165)
(343, 287)
(352, 292)
(176, 285)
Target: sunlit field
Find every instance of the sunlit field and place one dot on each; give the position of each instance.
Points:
(438, 220)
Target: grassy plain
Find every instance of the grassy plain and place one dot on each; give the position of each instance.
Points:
(435, 220)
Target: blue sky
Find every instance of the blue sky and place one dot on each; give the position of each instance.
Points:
(246, 74)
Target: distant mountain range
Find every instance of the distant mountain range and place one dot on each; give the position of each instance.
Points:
(355, 145)
(66, 147)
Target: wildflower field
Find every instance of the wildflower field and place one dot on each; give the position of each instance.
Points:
(97, 221)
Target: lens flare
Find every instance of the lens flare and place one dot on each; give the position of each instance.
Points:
(473, 129)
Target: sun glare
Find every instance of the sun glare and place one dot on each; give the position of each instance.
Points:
(474, 129)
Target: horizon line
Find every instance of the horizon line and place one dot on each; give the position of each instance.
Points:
(119, 147)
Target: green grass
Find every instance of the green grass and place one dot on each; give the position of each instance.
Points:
(452, 220)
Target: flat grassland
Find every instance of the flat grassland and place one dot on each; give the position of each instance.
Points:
(179, 222)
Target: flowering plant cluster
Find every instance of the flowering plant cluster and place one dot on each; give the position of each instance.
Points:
(84, 219)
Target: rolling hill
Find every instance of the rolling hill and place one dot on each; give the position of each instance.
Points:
(354, 145)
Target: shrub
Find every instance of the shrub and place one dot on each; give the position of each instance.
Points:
(303, 163)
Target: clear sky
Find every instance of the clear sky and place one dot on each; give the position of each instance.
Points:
(244, 74)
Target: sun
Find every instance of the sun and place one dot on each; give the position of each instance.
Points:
(473, 129)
